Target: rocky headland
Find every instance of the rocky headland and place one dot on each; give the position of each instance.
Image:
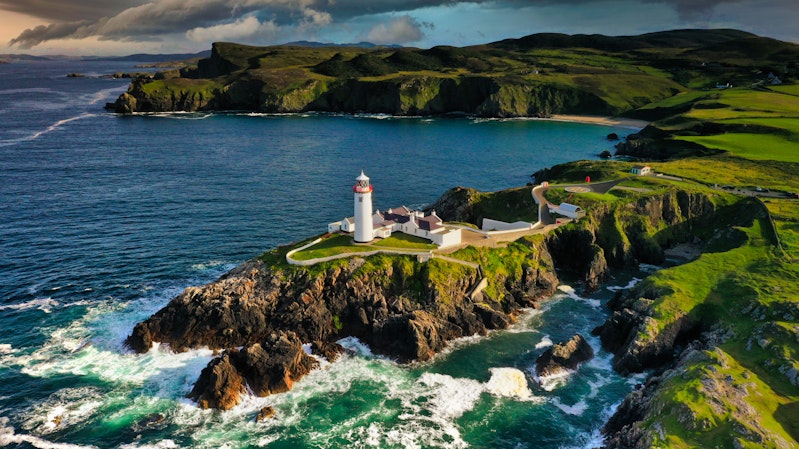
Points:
(260, 314)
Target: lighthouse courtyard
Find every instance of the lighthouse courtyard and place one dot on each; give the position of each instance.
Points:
(402, 231)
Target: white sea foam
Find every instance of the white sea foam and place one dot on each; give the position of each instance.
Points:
(355, 346)
(8, 436)
(569, 291)
(509, 383)
(6, 348)
(647, 268)
(163, 444)
(44, 304)
(450, 397)
(101, 95)
(553, 381)
(631, 284)
(545, 342)
(211, 264)
(576, 409)
(65, 408)
(61, 123)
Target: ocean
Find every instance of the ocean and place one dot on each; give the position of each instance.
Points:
(105, 218)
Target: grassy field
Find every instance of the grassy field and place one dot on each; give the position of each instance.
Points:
(343, 244)
(759, 147)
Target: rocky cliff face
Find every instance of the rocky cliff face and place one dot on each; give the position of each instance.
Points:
(221, 87)
(615, 237)
(270, 312)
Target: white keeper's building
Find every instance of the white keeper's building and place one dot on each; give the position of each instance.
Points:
(365, 225)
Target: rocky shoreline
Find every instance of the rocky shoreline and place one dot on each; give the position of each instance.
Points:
(260, 314)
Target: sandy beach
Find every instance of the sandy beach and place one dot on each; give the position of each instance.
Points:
(598, 120)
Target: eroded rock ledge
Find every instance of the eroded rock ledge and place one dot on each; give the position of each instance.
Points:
(260, 314)
(269, 312)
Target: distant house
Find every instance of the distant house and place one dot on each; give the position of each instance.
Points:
(723, 86)
(641, 170)
(773, 79)
(567, 210)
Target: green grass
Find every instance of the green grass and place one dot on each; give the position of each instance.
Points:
(405, 241)
(331, 246)
(343, 244)
(751, 146)
(734, 171)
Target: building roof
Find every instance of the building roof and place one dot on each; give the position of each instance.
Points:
(362, 177)
(430, 222)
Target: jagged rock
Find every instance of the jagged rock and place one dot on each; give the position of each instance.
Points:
(564, 356)
(265, 413)
(220, 385)
(267, 368)
(273, 365)
(329, 350)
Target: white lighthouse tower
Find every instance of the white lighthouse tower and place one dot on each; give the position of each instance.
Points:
(363, 209)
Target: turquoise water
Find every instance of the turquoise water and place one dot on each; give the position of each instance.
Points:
(105, 218)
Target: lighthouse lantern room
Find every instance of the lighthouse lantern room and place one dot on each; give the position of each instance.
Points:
(363, 209)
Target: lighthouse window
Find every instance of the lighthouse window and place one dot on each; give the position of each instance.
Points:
(360, 199)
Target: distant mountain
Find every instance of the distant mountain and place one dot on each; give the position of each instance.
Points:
(329, 44)
(143, 57)
(18, 58)
(661, 39)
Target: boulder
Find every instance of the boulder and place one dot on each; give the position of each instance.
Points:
(220, 385)
(563, 357)
(266, 413)
(273, 365)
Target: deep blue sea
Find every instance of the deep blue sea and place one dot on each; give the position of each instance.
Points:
(105, 218)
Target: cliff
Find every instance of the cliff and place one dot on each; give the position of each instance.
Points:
(400, 308)
(494, 80)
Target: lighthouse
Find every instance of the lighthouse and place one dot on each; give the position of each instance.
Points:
(363, 209)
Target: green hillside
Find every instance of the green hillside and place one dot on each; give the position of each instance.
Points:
(537, 75)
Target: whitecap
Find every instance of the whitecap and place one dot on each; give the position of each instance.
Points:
(553, 381)
(571, 293)
(450, 397)
(6, 348)
(44, 304)
(163, 444)
(647, 268)
(8, 436)
(355, 346)
(545, 342)
(509, 383)
(631, 284)
(576, 409)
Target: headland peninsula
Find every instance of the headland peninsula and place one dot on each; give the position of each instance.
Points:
(717, 329)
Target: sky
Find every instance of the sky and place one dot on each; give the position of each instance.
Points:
(122, 27)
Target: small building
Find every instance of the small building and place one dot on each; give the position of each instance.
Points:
(641, 170)
(397, 219)
(567, 210)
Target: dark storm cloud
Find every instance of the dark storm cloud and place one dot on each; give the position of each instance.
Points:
(69, 10)
(142, 20)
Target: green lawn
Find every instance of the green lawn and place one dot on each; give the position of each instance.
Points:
(400, 240)
(751, 146)
(343, 243)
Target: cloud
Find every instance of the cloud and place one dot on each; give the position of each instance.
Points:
(692, 10)
(151, 20)
(400, 30)
(68, 10)
(242, 29)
